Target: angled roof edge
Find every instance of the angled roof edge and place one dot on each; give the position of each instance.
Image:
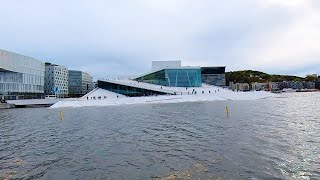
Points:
(156, 70)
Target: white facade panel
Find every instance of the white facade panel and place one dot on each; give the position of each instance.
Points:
(56, 80)
(20, 75)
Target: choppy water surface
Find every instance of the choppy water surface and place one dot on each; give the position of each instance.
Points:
(270, 138)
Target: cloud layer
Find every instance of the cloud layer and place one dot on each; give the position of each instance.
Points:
(123, 37)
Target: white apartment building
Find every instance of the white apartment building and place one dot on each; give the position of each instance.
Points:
(56, 80)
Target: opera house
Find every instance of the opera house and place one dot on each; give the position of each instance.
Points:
(164, 78)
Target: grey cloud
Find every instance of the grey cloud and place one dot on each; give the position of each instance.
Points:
(117, 37)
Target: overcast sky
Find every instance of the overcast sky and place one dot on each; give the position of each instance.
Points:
(119, 37)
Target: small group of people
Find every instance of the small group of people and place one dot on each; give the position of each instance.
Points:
(99, 97)
(203, 92)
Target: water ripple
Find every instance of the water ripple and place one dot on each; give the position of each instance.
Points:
(268, 139)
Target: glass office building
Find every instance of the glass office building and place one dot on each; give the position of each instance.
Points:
(80, 83)
(20, 76)
(174, 77)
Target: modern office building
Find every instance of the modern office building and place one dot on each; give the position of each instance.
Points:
(80, 83)
(214, 75)
(21, 77)
(56, 80)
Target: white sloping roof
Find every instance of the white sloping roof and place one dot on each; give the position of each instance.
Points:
(141, 85)
(98, 92)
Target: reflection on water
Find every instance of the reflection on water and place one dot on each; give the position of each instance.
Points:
(270, 138)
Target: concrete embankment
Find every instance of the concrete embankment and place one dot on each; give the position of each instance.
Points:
(36, 103)
(6, 106)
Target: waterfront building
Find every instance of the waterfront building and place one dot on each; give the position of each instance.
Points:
(132, 88)
(309, 85)
(164, 79)
(275, 86)
(80, 83)
(260, 86)
(214, 75)
(56, 80)
(21, 77)
(239, 86)
(209, 75)
(297, 85)
(317, 85)
(294, 85)
(174, 77)
(282, 85)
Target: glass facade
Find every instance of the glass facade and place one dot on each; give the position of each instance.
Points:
(87, 83)
(127, 90)
(80, 83)
(20, 75)
(174, 77)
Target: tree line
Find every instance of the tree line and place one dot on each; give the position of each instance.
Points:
(249, 76)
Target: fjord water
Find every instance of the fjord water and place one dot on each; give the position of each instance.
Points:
(269, 138)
